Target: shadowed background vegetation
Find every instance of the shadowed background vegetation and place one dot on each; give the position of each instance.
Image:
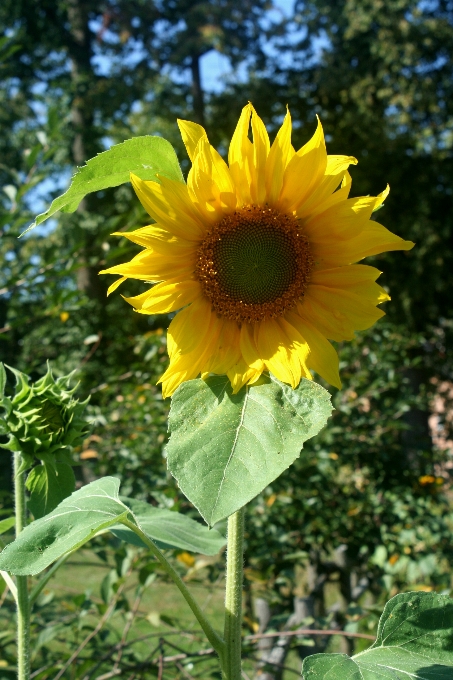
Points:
(371, 515)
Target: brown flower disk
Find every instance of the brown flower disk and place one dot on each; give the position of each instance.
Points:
(254, 264)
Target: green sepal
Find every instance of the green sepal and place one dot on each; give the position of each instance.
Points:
(26, 461)
(49, 484)
(2, 380)
(3, 427)
(12, 444)
(7, 524)
(22, 384)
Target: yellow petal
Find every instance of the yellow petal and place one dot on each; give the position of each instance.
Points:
(227, 352)
(299, 348)
(166, 297)
(210, 183)
(159, 240)
(322, 357)
(241, 374)
(338, 196)
(336, 168)
(278, 352)
(304, 172)
(188, 325)
(372, 240)
(170, 205)
(261, 147)
(344, 220)
(151, 266)
(240, 157)
(191, 134)
(279, 154)
(115, 285)
(193, 352)
(380, 198)
(337, 313)
(249, 348)
(350, 275)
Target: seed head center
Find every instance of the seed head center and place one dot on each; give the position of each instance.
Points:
(254, 264)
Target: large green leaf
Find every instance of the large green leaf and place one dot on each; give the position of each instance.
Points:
(414, 642)
(226, 448)
(170, 530)
(144, 156)
(78, 518)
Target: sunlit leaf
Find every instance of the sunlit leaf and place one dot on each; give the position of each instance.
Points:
(144, 156)
(93, 508)
(226, 448)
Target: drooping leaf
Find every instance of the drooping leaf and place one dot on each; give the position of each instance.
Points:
(93, 508)
(170, 530)
(76, 520)
(48, 486)
(144, 156)
(414, 642)
(226, 448)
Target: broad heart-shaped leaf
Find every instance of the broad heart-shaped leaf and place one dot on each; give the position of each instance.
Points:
(414, 642)
(48, 486)
(78, 518)
(144, 156)
(226, 448)
(170, 530)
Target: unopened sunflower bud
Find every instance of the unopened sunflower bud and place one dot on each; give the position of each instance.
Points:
(41, 420)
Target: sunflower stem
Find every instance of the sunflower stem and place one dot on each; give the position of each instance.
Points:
(231, 661)
(22, 599)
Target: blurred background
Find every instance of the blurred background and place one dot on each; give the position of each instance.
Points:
(370, 514)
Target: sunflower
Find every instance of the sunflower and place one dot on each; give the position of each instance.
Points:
(259, 255)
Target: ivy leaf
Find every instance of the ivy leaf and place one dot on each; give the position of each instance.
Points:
(414, 642)
(144, 156)
(226, 448)
(48, 486)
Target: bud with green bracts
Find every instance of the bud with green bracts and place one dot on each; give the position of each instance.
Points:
(43, 421)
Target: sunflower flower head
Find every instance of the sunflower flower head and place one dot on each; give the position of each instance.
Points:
(260, 257)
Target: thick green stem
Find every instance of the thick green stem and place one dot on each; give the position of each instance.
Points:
(213, 637)
(231, 661)
(23, 605)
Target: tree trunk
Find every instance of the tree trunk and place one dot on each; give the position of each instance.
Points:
(272, 651)
(83, 142)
